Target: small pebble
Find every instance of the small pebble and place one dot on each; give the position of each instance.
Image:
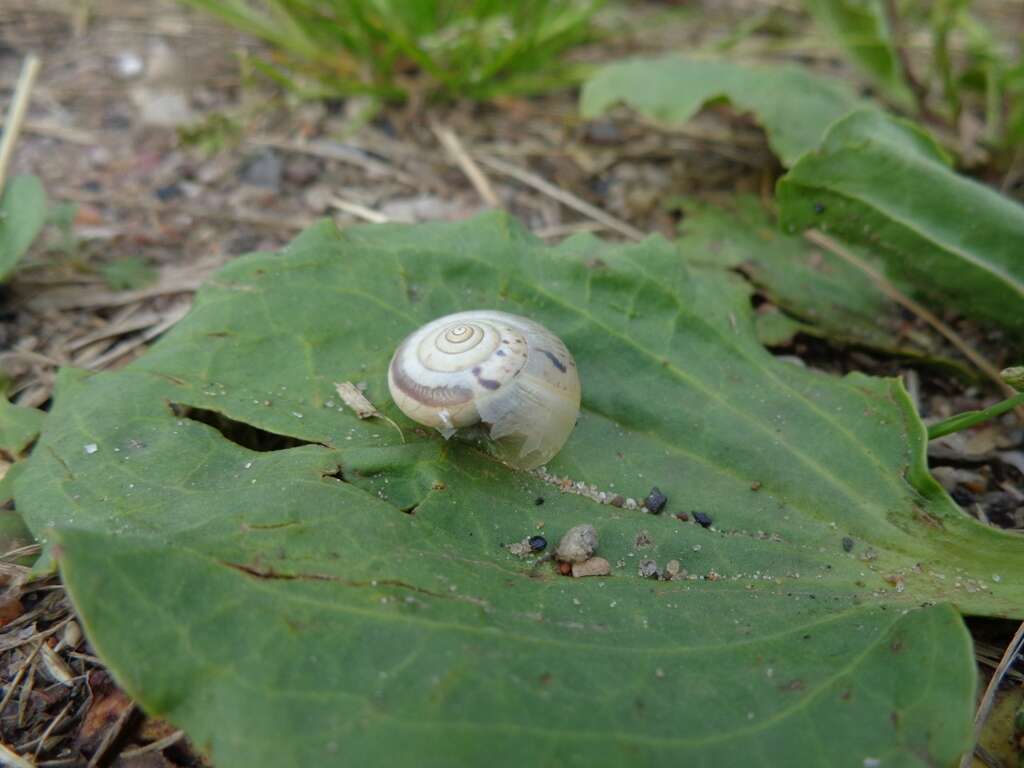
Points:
(595, 566)
(703, 519)
(655, 501)
(262, 169)
(672, 568)
(520, 548)
(643, 539)
(618, 501)
(682, 516)
(537, 543)
(756, 485)
(91, 448)
(167, 193)
(565, 568)
(538, 501)
(847, 544)
(578, 545)
(648, 569)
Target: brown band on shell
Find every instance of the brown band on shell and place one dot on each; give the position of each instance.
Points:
(485, 383)
(554, 359)
(432, 396)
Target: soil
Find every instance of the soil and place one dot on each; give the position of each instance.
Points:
(177, 162)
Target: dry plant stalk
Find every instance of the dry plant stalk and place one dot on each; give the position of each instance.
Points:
(16, 114)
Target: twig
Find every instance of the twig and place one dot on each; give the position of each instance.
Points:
(566, 198)
(450, 141)
(985, 706)
(880, 281)
(9, 757)
(112, 735)
(16, 114)
(170, 319)
(156, 746)
(558, 231)
(114, 329)
(61, 132)
(49, 729)
(195, 211)
(333, 151)
(359, 211)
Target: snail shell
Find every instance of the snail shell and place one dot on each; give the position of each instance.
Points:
(505, 372)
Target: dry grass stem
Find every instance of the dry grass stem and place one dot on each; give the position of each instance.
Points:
(453, 145)
(988, 698)
(16, 113)
(9, 757)
(196, 212)
(327, 150)
(155, 746)
(565, 198)
(359, 211)
(54, 131)
(170, 319)
(112, 735)
(41, 741)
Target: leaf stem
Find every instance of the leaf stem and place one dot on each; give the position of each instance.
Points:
(970, 418)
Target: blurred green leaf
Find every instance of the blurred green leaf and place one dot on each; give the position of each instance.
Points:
(318, 592)
(22, 215)
(128, 273)
(451, 48)
(794, 106)
(883, 183)
(863, 32)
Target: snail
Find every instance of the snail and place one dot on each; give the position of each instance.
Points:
(505, 373)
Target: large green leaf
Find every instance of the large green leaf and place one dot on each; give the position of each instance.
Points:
(832, 298)
(883, 183)
(348, 601)
(22, 215)
(794, 106)
(863, 32)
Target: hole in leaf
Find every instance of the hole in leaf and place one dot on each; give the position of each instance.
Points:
(238, 432)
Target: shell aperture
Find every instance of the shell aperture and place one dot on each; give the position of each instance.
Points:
(502, 371)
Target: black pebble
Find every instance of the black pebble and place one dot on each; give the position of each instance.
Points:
(703, 519)
(655, 501)
(847, 544)
(168, 193)
(819, 208)
(537, 543)
(538, 501)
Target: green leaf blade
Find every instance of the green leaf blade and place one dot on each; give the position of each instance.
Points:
(864, 33)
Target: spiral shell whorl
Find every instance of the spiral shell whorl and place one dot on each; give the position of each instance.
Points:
(504, 371)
